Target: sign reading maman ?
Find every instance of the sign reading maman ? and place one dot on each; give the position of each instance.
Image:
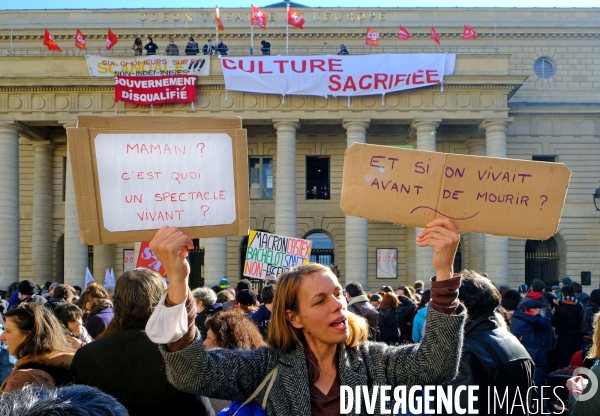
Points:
(504, 197)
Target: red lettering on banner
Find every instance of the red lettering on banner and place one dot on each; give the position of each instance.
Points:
(261, 69)
(430, 74)
(335, 83)
(317, 64)
(335, 63)
(227, 62)
(281, 65)
(361, 85)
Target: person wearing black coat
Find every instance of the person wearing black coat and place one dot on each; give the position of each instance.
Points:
(567, 324)
(221, 48)
(204, 314)
(266, 47)
(262, 317)
(151, 47)
(492, 358)
(358, 302)
(125, 363)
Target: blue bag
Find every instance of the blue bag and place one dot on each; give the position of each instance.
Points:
(252, 409)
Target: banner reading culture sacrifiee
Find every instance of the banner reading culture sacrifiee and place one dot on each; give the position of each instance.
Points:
(271, 254)
(336, 75)
(102, 66)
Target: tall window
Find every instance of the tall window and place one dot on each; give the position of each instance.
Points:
(317, 177)
(261, 177)
(322, 249)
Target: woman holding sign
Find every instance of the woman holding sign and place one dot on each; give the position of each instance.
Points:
(315, 345)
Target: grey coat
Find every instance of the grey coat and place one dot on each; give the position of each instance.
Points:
(235, 374)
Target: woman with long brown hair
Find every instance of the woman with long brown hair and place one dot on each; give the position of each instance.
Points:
(315, 344)
(33, 335)
(387, 319)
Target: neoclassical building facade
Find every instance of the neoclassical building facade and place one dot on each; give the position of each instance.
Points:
(527, 88)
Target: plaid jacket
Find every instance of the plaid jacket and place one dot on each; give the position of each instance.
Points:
(235, 374)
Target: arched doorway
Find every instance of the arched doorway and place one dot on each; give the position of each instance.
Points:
(541, 261)
(196, 260)
(322, 248)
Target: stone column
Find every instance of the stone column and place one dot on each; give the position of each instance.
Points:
(104, 258)
(476, 240)
(356, 228)
(496, 248)
(9, 203)
(41, 234)
(76, 254)
(285, 178)
(426, 140)
(215, 260)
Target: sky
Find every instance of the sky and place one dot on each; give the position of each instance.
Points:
(157, 4)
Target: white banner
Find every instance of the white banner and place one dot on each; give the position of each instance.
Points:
(335, 75)
(102, 66)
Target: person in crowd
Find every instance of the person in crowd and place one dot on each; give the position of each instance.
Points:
(35, 337)
(192, 47)
(419, 284)
(216, 289)
(385, 289)
(243, 284)
(262, 317)
(376, 301)
(579, 293)
(124, 362)
(207, 305)
(51, 288)
(314, 342)
(224, 283)
(75, 400)
(388, 327)
(577, 361)
(100, 309)
(567, 324)
(491, 356)
(536, 292)
(535, 333)
(265, 47)
(231, 330)
(407, 291)
(343, 50)
(246, 301)
(591, 308)
(78, 291)
(419, 321)
(172, 49)
(70, 316)
(565, 281)
(511, 300)
(138, 46)
(222, 48)
(208, 48)
(405, 314)
(12, 295)
(151, 47)
(579, 385)
(224, 296)
(26, 293)
(62, 293)
(358, 303)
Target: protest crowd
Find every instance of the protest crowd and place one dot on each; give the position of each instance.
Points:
(141, 348)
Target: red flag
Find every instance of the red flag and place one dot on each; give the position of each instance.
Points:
(219, 22)
(148, 259)
(469, 33)
(80, 40)
(111, 40)
(259, 18)
(50, 43)
(403, 33)
(434, 35)
(295, 19)
(372, 37)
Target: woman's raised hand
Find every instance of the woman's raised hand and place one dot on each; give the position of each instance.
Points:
(442, 235)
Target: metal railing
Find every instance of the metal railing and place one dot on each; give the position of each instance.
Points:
(246, 51)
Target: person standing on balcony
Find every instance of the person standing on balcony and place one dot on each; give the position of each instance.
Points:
(151, 47)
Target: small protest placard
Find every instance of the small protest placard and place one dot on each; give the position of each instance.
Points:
(503, 197)
(271, 254)
(133, 175)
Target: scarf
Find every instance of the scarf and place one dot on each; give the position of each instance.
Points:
(569, 300)
(534, 295)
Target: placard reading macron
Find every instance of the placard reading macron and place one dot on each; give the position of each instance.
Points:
(150, 180)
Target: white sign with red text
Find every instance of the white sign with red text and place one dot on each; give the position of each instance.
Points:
(148, 66)
(150, 180)
(335, 75)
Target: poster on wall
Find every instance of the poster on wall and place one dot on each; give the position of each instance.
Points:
(271, 254)
(387, 263)
(128, 259)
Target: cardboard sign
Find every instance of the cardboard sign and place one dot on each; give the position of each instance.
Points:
(132, 175)
(273, 254)
(503, 197)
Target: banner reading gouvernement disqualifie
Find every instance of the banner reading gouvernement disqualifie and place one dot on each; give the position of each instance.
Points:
(273, 254)
(336, 75)
(146, 66)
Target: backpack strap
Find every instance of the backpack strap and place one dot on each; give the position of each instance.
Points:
(270, 378)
